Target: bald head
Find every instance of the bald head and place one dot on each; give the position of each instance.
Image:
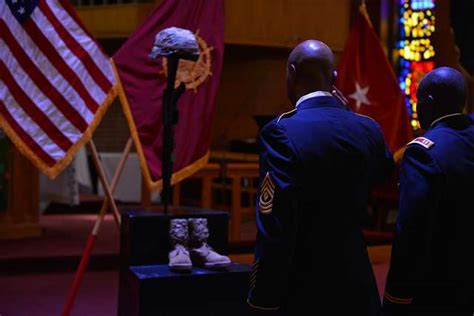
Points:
(441, 92)
(310, 68)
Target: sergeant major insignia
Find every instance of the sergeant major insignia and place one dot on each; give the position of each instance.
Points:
(267, 191)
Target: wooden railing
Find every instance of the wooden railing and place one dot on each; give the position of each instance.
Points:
(240, 179)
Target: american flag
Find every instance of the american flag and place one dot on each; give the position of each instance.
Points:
(55, 81)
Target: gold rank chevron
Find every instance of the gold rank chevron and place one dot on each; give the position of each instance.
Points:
(267, 191)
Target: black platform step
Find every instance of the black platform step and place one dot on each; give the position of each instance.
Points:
(155, 290)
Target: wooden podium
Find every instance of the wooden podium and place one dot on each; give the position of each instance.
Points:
(19, 214)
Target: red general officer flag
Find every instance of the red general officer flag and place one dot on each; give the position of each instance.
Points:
(366, 78)
(144, 82)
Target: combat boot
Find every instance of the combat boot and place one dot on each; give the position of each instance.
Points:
(201, 253)
(179, 260)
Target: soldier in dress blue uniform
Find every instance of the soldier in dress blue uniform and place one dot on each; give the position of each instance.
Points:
(432, 265)
(317, 166)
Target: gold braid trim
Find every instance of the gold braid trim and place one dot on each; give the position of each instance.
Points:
(397, 300)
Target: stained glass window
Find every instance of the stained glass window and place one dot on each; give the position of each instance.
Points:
(415, 49)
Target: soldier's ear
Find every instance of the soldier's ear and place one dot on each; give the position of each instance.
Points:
(431, 107)
(430, 100)
(291, 70)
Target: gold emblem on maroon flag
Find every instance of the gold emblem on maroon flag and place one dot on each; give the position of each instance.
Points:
(267, 191)
(193, 73)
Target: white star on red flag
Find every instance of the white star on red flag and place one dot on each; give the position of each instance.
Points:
(360, 96)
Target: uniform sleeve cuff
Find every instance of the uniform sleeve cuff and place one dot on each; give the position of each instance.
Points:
(263, 308)
(397, 300)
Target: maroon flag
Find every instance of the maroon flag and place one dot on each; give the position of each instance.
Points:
(366, 78)
(144, 82)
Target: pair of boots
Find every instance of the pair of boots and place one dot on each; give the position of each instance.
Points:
(189, 241)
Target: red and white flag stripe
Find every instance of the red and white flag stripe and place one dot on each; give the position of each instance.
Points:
(55, 81)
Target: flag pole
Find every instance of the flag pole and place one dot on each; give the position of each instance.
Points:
(363, 10)
(103, 179)
(113, 185)
(71, 297)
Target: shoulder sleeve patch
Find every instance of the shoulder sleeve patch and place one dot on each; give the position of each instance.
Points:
(423, 141)
(267, 191)
(286, 114)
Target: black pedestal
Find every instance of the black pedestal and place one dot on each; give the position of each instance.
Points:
(155, 290)
(148, 287)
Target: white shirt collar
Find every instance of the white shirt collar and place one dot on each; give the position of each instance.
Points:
(443, 117)
(312, 95)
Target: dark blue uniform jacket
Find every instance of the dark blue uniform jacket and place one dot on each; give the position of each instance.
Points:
(317, 167)
(432, 265)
